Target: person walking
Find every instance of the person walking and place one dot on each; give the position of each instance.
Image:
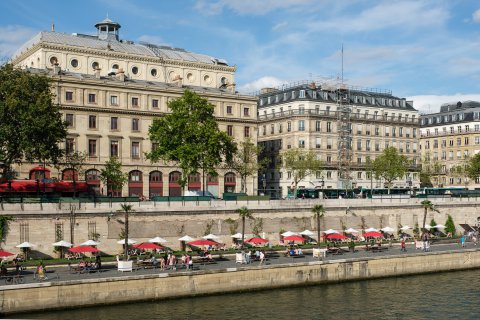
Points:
(462, 240)
(261, 257)
(403, 245)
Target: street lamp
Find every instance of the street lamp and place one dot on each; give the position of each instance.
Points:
(410, 184)
(264, 183)
(72, 222)
(322, 184)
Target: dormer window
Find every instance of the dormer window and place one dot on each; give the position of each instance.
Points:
(302, 93)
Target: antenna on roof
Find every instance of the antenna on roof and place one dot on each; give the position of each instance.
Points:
(53, 26)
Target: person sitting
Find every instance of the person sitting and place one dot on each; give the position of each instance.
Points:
(292, 252)
(154, 261)
(299, 251)
(3, 270)
(98, 262)
(210, 257)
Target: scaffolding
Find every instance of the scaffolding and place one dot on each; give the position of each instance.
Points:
(344, 130)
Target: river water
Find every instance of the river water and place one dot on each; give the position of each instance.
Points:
(452, 295)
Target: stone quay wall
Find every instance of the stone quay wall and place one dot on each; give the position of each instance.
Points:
(44, 224)
(94, 292)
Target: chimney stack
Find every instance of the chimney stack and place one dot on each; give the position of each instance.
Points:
(97, 73)
(56, 68)
(120, 74)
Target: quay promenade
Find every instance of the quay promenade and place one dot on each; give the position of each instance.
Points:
(110, 287)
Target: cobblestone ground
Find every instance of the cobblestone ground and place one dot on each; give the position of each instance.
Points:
(62, 273)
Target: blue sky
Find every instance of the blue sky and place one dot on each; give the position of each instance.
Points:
(425, 50)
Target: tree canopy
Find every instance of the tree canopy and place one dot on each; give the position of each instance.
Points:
(112, 175)
(473, 167)
(300, 163)
(390, 165)
(31, 125)
(189, 136)
(245, 161)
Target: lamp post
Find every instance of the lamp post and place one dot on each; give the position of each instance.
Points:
(410, 184)
(72, 223)
(322, 184)
(264, 183)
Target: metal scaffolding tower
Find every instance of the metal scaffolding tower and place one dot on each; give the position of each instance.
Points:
(344, 130)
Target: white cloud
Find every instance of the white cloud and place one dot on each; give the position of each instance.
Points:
(280, 25)
(432, 103)
(153, 40)
(251, 7)
(13, 37)
(263, 82)
(476, 16)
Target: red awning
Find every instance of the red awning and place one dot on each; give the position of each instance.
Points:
(39, 169)
(372, 234)
(336, 236)
(202, 243)
(294, 238)
(147, 245)
(83, 249)
(256, 240)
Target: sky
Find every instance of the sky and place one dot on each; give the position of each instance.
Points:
(427, 51)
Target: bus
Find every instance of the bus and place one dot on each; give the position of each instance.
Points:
(304, 193)
(395, 193)
(441, 192)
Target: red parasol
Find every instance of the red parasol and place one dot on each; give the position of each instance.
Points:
(147, 245)
(256, 240)
(5, 253)
(336, 236)
(294, 238)
(83, 249)
(372, 234)
(202, 242)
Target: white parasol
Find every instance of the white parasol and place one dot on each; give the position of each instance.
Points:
(25, 245)
(157, 240)
(330, 231)
(62, 243)
(90, 243)
(211, 237)
(405, 228)
(440, 226)
(186, 238)
(237, 235)
(388, 229)
(289, 233)
(351, 230)
(371, 230)
(307, 233)
(130, 241)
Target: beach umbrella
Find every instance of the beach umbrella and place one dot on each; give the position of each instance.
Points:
(329, 231)
(5, 253)
(371, 230)
(186, 238)
(372, 234)
(62, 243)
(83, 249)
(202, 242)
(351, 230)
(237, 235)
(25, 245)
(388, 229)
(405, 228)
(157, 240)
(307, 233)
(337, 236)
(294, 238)
(289, 233)
(427, 226)
(211, 237)
(90, 243)
(130, 241)
(256, 240)
(147, 245)
(440, 226)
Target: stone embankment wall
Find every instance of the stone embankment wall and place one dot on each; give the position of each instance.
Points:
(79, 293)
(44, 224)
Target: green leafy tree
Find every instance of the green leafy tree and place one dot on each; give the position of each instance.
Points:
(300, 164)
(390, 165)
(127, 209)
(75, 161)
(189, 136)
(31, 125)
(245, 161)
(244, 213)
(318, 213)
(112, 175)
(450, 226)
(473, 167)
(433, 223)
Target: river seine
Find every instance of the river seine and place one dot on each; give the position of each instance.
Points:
(453, 295)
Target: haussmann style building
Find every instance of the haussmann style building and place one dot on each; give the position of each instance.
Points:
(448, 139)
(110, 89)
(343, 125)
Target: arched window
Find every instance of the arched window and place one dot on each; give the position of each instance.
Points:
(174, 176)
(135, 176)
(69, 174)
(92, 175)
(155, 176)
(230, 178)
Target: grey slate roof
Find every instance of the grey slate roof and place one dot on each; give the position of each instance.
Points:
(92, 42)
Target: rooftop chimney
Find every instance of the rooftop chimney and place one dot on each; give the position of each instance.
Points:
(120, 74)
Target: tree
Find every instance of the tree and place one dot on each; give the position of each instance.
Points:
(190, 137)
(31, 125)
(426, 205)
(450, 226)
(244, 213)
(245, 161)
(431, 170)
(390, 165)
(318, 212)
(112, 175)
(300, 164)
(127, 209)
(473, 167)
(75, 161)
